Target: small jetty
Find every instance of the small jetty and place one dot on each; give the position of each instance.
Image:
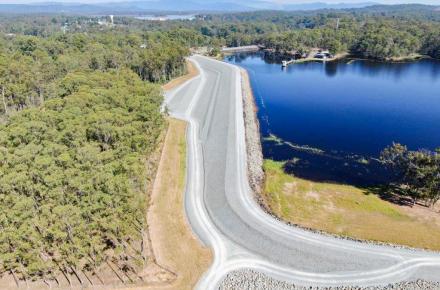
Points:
(285, 63)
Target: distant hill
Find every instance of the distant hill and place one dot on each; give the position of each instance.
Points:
(125, 7)
(196, 6)
(408, 11)
(321, 5)
(136, 7)
(49, 8)
(182, 5)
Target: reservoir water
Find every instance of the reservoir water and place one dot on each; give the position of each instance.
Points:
(332, 119)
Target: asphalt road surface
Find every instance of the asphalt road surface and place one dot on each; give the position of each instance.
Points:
(223, 214)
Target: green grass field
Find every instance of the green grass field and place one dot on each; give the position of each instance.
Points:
(344, 210)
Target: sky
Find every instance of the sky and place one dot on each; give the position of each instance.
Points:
(434, 2)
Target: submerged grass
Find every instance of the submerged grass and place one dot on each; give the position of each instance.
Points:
(344, 210)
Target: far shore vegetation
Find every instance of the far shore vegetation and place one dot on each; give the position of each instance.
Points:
(387, 33)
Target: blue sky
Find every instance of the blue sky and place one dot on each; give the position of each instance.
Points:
(437, 2)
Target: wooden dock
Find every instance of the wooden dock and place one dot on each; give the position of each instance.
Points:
(285, 63)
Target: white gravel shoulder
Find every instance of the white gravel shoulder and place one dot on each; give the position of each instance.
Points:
(247, 279)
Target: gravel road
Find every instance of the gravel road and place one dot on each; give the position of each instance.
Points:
(224, 215)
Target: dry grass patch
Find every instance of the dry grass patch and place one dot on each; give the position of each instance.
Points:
(173, 242)
(347, 210)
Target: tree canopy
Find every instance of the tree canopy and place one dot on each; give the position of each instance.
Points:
(73, 173)
(418, 172)
(80, 116)
(31, 67)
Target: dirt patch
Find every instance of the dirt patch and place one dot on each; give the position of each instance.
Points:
(178, 258)
(313, 195)
(289, 188)
(191, 72)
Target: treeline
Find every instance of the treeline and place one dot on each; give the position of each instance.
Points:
(72, 175)
(417, 172)
(365, 32)
(31, 67)
(379, 32)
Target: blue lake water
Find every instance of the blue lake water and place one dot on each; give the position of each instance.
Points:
(347, 110)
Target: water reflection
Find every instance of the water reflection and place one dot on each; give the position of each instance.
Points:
(331, 68)
(396, 70)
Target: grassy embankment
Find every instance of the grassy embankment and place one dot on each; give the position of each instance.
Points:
(174, 245)
(346, 210)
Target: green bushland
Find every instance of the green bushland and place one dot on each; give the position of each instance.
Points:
(417, 172)
(79, 118)
(31, 67)
(396, 32)
(344, 210)
(72, 174)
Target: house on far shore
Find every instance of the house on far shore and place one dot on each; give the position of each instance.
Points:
(323, 54)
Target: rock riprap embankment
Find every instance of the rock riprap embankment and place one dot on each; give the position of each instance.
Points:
(253, 141)
(249, 279)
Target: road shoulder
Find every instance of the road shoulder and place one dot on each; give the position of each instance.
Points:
(179, 258)
(174, 245)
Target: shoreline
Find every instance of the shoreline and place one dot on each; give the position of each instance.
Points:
(352, 57)
(257, 176)
(345, 55)
(255, 279)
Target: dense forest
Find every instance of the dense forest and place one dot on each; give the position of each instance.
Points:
(377, 32)
(80, 117)
(72, 174)
(31, 67)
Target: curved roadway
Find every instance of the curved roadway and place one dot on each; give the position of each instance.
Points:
(223, 214)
